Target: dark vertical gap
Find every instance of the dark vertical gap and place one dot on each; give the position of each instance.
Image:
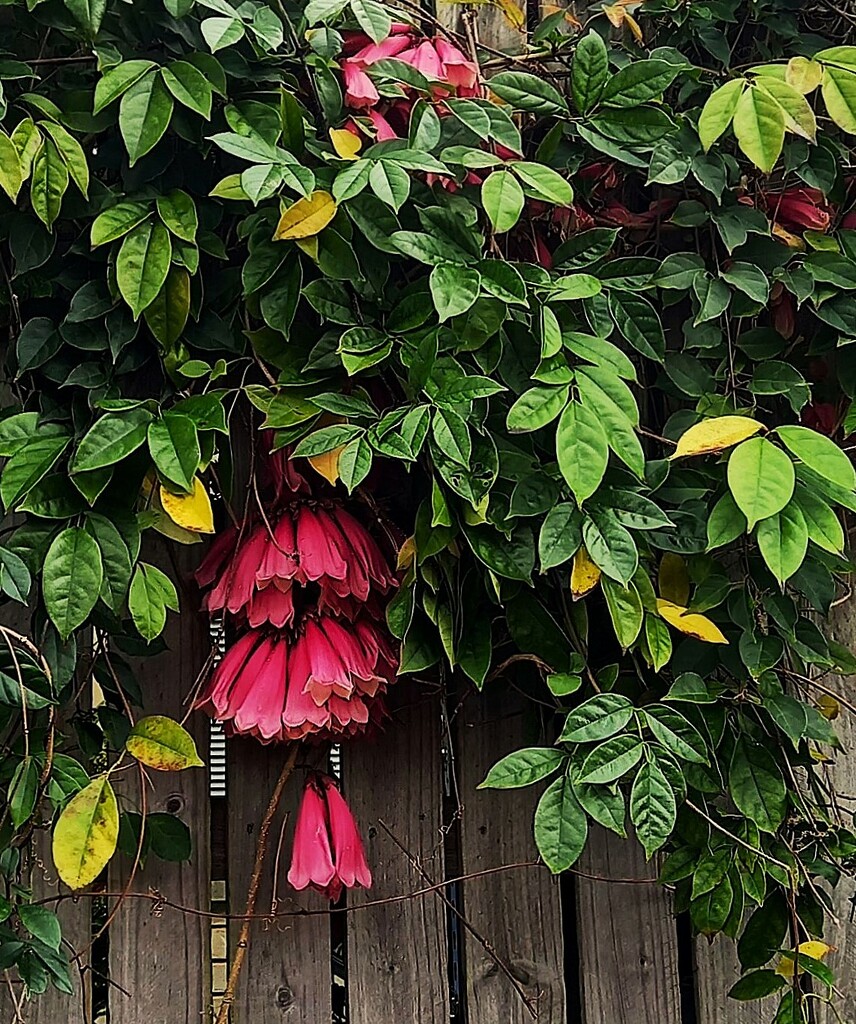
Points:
(339, 1004)
(99, 960)
(571, 943)
(533, 15)
(686, 969)
(453, 861)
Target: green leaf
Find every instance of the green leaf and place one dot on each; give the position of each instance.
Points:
(49, 183)
(390, 183)
(466, 389)
(820, 454)
(560, 537)
(151, 594)
(783, 540)
(611, 402)
(189, 86)
(222, 32)
(561, 827)
(823, 525)
(86, 834)
(601, 353)
(23, 791)
(757, 985)
(115, 560)
(652, 807)
(536, 408)
(759, 125)
(756, 785)
(174, 447)
(117, 221)
(71, 579)
(27, 467)
(544, 183)
(726, 523)
(749, 279)
(719, 110)
(143, 264)
(597, 718)
(523, 767)
(502, 199)
(625, 610)
(117, 81)
(839, 94)
(454, 288)
(603, 804)
(11, 171)
(582, 450)
(610, 546)
(72, 155)
(161, 743)
(178, 212)
(676, 733)
(639, 82)
(761, 478)
(528, 92)
(611, 760)
(590, 71)
(111, 439)
(659, 641)
(166, 316)
(372, 18)
(637, 321)
(144, 115)
(88, 14)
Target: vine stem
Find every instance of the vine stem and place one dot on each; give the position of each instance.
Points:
(253, 891)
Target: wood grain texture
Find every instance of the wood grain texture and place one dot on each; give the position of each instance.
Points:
(518, 912)
(490, 26)
(843, 775)
(286, 975)
(397, 953)
(716, 970)
(163, 962)
(626, 937)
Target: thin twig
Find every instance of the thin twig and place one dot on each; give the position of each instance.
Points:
(253, 891)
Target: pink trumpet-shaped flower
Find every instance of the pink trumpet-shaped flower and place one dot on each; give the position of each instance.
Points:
(383, 129)
(360, 90)
(456, 69)
(312, 856)
(328, 853)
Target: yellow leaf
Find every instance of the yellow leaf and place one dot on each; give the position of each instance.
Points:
(803, 74)
(813, 948)
(615, 13)
(161, 743)
(513, 14)
(828, 707)
(306, 217)
(673, 579)
(346, 144)
(309, 246)
(327, 464)
(634, 27)
(406, 553)
(713, 435)
(790, 240)
(690, 623)
(86, 834)
(190, 511)
(584, 574)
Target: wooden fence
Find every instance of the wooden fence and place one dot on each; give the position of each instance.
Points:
(505, 945)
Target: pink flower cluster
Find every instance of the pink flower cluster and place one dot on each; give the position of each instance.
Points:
(328, 851)
(305, 587)
(442, 63)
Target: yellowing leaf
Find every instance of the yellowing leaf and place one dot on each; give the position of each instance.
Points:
(327, 464)
(790, 240)
(406, 553)
(713, 435)
(673, 579)
(161, 743)
(190, 511)
(513, 14)
(634, 26)
(306, 217)
(309, 246)
(615, 14)
(346, 144)
(691, 623)
(803, 74)
(829, 707)
(86, 834)
(814, 948)
(584, 574)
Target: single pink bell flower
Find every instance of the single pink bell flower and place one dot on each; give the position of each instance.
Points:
(455, 68)
(312, 857)
(349, 856)
(360, 90)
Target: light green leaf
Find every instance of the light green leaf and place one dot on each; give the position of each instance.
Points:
(11, 171)
(582, 450)
(652, 807)
(143, 264)
(502, 199)
(88, 14)
(28, 465)
(761, 478)
(178, 212)
(819, 453)
(162, 743)
(544, 183)
(597, 718)
(86, 834)
(823, 525)
(49, 183)
(111, 439)
(718, 111)
(144, 115)
(783, 540)
(117, 221)
(759, 125)
(72, 155)
(189, 86)
(523, 767)
(174, 447)
(536, 408)
(454, 288)
(589, 72)
(151, 593)
(625, 610)
(839, 94)
(117, 81)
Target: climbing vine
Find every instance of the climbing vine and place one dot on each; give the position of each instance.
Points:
(568, 334)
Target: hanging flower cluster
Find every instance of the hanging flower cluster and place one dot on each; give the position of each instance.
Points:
(328, 852)
(305, 587)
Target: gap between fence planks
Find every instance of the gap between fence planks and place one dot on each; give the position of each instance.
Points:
(398, 953)
(163, 962)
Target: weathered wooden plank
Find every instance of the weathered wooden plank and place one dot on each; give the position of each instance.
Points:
(716, 970)
(518, 912)
(843, 775)
(287, 973)
(626, 937)
(489, 25)
(397, 953)
(162, 962)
